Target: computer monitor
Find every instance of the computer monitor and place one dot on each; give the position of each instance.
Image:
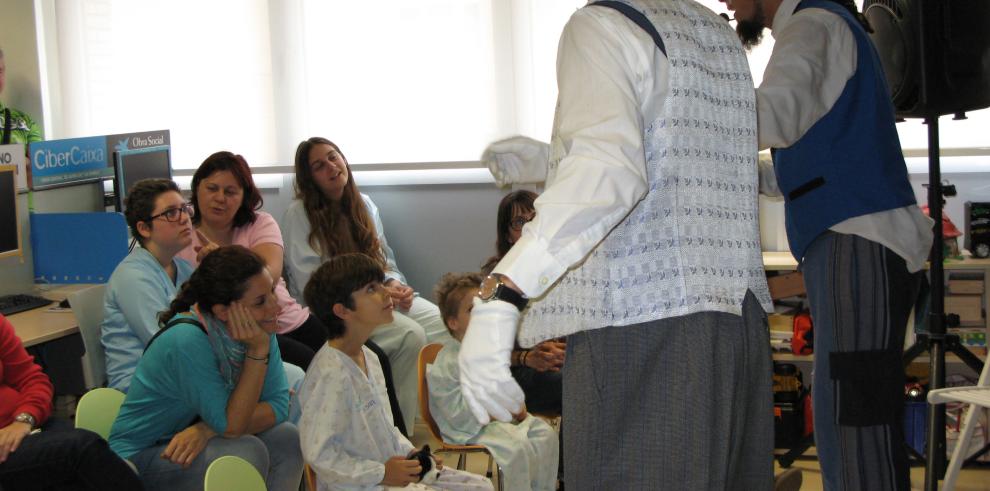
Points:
(10, 229)
(133, 165)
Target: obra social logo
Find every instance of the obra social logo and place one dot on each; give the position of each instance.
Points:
(76, 156)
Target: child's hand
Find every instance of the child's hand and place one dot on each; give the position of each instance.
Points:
(521, 415)
(400, 471)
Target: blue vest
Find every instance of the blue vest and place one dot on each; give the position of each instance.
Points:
(849, 163)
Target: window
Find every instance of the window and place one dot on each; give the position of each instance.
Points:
(391, 81)
(199, 69)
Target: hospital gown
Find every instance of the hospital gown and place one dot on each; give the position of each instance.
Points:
(526, 451)
(346, 430)
(404, 337)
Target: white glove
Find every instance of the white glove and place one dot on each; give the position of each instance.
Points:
(486, 381)
(517, 160)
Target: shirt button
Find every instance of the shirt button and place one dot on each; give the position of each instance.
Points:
(544, 280)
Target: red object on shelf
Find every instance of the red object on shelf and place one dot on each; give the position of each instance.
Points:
(801, 341)
(949, 229)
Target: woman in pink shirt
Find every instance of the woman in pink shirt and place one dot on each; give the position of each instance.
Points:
(228, 212)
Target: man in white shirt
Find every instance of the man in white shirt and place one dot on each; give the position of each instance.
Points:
(645, 252)
(852, 222)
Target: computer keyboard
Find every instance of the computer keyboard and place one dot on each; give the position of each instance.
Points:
(12, 304)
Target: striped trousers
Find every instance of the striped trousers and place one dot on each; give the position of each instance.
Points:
(861, 295)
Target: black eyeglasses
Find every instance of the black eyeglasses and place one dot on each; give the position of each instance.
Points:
(174, 214)
(518, 222)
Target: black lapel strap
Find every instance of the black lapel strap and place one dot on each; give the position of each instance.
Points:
(638, 17)
(6, 127)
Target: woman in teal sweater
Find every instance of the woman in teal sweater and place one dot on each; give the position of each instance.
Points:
(211, 383)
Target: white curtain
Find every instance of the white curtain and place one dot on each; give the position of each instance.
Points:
(391, 81)
(201, 69)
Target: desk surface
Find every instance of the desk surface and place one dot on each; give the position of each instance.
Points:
(37, 326)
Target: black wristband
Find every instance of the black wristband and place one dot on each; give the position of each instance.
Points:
(263, 359)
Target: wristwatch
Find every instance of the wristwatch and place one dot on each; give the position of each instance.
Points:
(26, 418)
(494, 289)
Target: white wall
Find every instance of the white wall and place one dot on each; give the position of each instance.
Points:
(433, 229)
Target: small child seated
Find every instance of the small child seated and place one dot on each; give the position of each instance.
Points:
(526, 449)
(346, 431)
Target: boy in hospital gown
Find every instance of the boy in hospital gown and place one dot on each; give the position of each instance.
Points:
(526, 449)
(346, 431)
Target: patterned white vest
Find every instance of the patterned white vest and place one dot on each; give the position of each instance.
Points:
(693, 243)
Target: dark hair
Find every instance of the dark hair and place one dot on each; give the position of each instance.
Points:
(851, 7)
(323, 214)
(236, 165)
(334, 282)
(140, 202)
(220, 279)
(517, 200)
(450, 291)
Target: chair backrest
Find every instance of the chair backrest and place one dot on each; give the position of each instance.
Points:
(426, 357)
(232, 473)
(97, 409)
(87, 305)
(309, 477)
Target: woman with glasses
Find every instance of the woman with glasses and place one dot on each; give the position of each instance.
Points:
(537, 370)
(331, 217)
(143, 284)
(211, 382)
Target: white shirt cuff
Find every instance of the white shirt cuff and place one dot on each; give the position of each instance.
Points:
(530, 266)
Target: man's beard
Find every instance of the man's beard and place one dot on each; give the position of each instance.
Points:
(750, 31)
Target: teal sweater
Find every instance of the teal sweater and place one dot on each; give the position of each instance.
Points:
(176, 380)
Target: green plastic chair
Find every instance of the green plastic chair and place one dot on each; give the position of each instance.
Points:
(230, 473)
(97, 409)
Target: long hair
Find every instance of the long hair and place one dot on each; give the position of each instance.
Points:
(238, 167)
(324, 214)
(219, 280)
(521, 200)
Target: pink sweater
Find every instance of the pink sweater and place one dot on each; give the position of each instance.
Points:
(264, 230)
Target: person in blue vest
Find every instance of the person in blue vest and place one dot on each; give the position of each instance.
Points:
(852, 222)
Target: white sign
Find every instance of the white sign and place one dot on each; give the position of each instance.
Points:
(14, 154)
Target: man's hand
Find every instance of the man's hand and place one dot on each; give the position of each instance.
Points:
(187, 444)
(400, 471)
(11, 437)
(517, 160)
(487, 383)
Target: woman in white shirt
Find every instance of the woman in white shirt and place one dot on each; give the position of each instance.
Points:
(331, 217)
